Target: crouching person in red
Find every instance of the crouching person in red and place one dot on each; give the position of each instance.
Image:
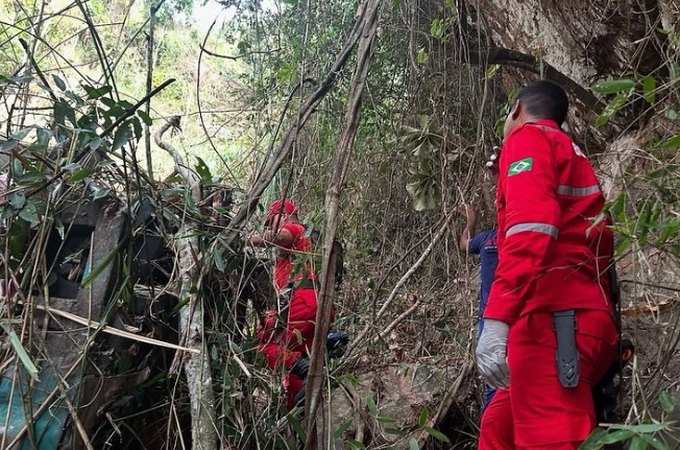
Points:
(549, 333)
(286, 335)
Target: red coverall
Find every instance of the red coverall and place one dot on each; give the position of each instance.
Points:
(554, 248)
(284, 346)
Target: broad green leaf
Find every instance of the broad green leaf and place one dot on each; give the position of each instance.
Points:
(437, 28)
(654, 442)
(671, 114)
(20, 350)
(670, 142)
(59, 82)
(122, 136)
(413, 444)
(613, 86)
(438, 435)
(203, 170)
(592, 442)
(636, 443)
(80, 174)
(611, 109)
(29, 214)
(17, 200)
(145, 117)
(616, 436)
(648, 89)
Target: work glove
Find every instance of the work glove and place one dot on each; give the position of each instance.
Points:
(301, 367)
(491, 353)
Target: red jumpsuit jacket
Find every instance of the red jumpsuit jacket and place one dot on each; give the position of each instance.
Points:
(553, 238)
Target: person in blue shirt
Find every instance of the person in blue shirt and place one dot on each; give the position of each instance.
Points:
(484, 245)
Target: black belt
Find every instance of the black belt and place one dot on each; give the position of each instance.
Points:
(564, 323)
(309, 283)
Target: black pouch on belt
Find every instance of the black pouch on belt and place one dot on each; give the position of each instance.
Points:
(564, 323)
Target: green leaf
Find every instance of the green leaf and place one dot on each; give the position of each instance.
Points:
(616, 436)
(21, 134)
(648, 89)
(592, 442)
(423, 416)
(122, 136)
(59, 82)
(644, 428)
(356, 444)
(637, 444)
(290, 2)
(17, 200)
(95, 143)
(101, 193)
(137, 128)
(671, 114)
(413, 444)
(670, 142)
(613, 86)
(370, 404)
(437, 28)
(438, 435)
(611, 109)
(203, 170)
(668, 402)
(421, 56)
(80, 174)
(219, 261)
(491, 70)
(145, 117)
(29, 214)
(20, 351)
(654, 442)
(95, 93)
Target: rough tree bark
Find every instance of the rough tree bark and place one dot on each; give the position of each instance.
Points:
(196, 365)
(368, 26)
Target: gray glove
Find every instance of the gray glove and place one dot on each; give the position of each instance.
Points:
(491, 353)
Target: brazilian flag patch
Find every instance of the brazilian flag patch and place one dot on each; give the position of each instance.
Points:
(523, 165)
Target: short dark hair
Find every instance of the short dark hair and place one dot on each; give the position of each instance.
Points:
(545, 100)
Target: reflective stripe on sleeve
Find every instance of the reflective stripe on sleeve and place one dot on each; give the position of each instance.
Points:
(544, 228)
(563, 189)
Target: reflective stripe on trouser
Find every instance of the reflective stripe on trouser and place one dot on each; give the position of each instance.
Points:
(546, 415)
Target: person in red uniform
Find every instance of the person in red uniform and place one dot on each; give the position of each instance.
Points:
(549, 333)
(287, 344)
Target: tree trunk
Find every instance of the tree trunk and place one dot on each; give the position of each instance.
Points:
(196, 365)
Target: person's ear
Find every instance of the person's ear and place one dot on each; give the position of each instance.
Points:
(516, 109)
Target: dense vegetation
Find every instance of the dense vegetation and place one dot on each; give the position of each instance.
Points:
(85, 85)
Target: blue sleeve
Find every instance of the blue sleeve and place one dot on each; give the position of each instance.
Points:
(476, 242)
